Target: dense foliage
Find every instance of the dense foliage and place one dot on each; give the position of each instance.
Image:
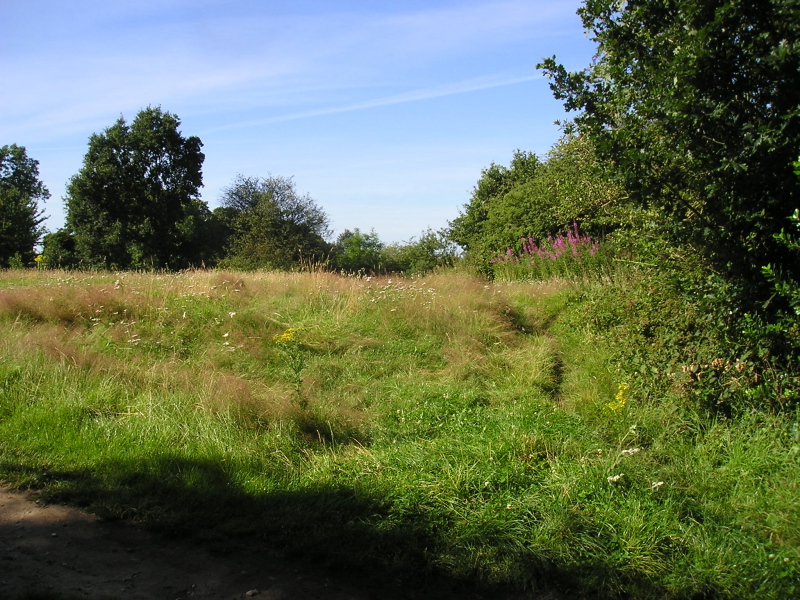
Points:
(358, 252)
(470, 229)
(20, 194)
(697, 106)
(134, 202)
(271, 225)
(533, 198)
(430, 251)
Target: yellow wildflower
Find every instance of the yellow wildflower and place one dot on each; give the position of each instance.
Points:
(619, 398)
(286, 337)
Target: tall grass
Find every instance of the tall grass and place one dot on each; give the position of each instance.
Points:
(480, 431)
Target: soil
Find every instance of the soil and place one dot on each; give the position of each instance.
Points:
(63, 552)
(49, 551)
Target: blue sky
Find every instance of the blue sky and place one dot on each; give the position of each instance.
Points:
(385, 113)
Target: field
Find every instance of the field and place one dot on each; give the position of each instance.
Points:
(438, 426)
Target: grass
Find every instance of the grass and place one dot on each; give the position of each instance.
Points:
(443, 425)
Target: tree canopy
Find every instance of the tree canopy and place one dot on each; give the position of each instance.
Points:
(271, 225)
(535, 198)
(134, 202)
(20, 194)
(470, 227)
(696, 104)
(356, 251)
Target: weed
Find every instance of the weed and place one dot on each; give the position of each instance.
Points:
(294, 356)
(570, 255)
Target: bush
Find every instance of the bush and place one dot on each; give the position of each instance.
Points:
(358, 252)
(420, 256)
(538, 199)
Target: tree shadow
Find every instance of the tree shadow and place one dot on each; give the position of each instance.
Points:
(337, 530)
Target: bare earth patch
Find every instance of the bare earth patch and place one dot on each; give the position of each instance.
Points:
(60, 552)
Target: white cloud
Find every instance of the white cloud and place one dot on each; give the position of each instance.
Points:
(118, 62)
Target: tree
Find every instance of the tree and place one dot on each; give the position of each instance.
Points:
(20, 192)
(468, 229)
(134, 202)
(220, 231)
(355, 251)
(417, 256)
(535, 198)
(58, 249)
(271, 226)
(696, 103)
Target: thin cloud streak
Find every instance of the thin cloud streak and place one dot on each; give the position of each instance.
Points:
(217, 64)
(449, 89)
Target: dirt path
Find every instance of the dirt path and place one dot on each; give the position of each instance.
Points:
(61, 551)
(57, 552)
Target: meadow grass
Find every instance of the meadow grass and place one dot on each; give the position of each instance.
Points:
(479, 431)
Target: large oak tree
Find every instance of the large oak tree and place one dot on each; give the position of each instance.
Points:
(134, 202)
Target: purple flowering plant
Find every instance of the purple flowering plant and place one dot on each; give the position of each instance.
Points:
(563, 255)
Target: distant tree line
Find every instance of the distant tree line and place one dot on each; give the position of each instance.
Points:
(135, 204)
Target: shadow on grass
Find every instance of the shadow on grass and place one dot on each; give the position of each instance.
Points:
(334, 529)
